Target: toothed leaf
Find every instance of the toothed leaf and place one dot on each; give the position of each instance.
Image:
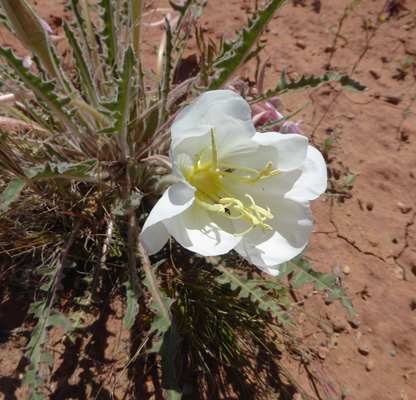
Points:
(84, 72)
(303, 273)
(312, 82)
(164, 326)
(236, 52)
(251, 289)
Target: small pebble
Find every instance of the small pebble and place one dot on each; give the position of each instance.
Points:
(326, 328)
(339, 326)
(393, 353)
(370, 206)
(298, 334)
(355, 322)
(374, 74)
(413, 303)
(404, 208)
(346, 269)
(370, 365)
(364, 349)
(323, 352)
(404, 136)
(301, 44)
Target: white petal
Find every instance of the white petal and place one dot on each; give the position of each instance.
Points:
(192, 140)
(211, 108)
(289, 149)
(312, 183)
(305, 183)
(292, 227)
(203, 232)
(248, 251)
(234, 140)
(176, 199)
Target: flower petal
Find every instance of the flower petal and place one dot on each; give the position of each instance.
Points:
(203, 232)
(176, 199)
(192, 140)
(312, 183)
(211, 108)
(252, 254)
(292, 227)
(290, 148)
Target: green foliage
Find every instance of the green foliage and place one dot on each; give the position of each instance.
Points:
(235, 53)
(231, 325)
(83, 70)
(133, 292)
(110, 32)
(254, 289)
(44, 90)
(312, 82)
(47, 316)
(11, 193)
(164, 327)
(303, 273)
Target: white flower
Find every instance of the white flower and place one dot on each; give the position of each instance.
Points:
(237, 188)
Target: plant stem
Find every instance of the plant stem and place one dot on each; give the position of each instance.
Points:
(136, 15)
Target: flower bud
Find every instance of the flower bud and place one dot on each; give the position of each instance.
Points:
(26, 24)
(30, 31)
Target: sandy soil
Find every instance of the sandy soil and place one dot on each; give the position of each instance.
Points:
(367, 237)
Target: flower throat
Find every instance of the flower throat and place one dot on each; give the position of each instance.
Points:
(212, 194)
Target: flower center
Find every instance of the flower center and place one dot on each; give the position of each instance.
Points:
(209, 179)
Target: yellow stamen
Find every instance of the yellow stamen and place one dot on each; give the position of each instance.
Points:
(263, 174)
(214, 152)
(210, 181)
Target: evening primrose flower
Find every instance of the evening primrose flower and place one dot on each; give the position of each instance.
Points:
(237, 188)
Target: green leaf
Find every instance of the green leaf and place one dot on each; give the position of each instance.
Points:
(79, 23)
(37, 308)
(84, 171)
(251, 289)
(46, 357)
(303, 273)
(164, 85)
(37, 396)
(12, 193)
(350, 179)
(164, 325)
(46, 317)
(109, 32)
(128, 205)
(285, 86)
(236, 52)
(57, 319)
(133, 292)
(126, 90)
(83, 70)
(43, 90)
(46, 271)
